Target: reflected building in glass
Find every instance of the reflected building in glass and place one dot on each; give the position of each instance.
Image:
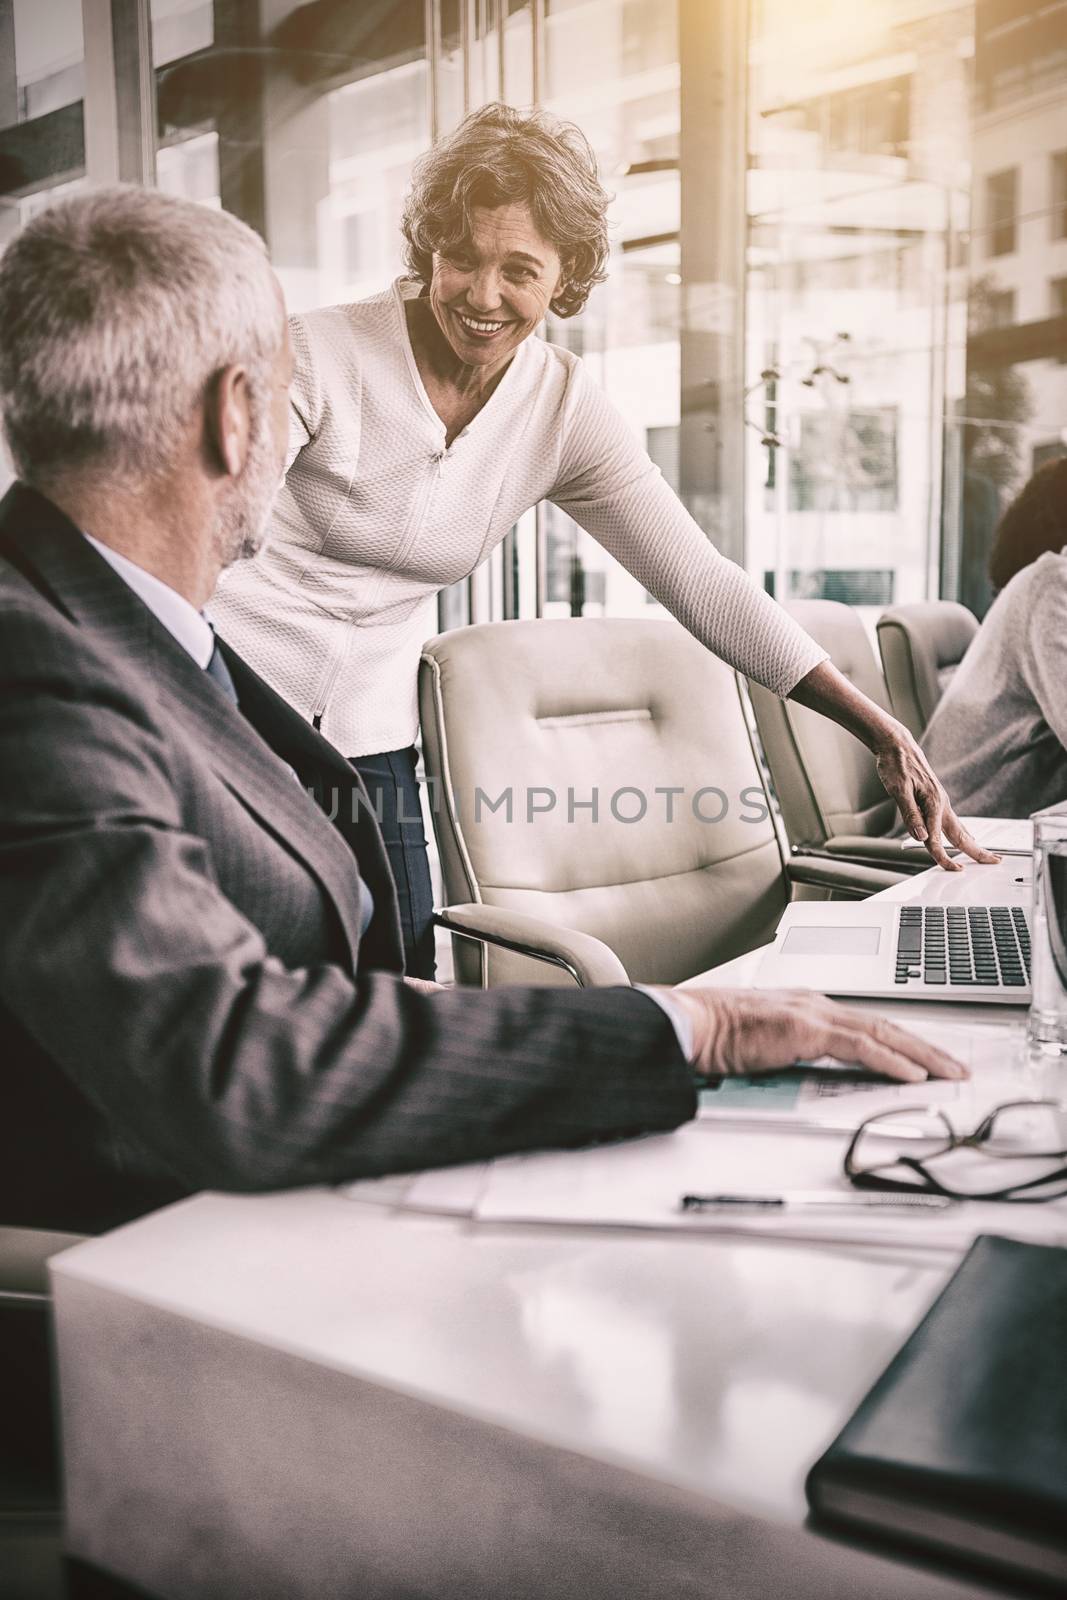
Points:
(837, 300)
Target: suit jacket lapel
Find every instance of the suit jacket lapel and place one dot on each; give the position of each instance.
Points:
(261, 781)
(338, 791)
(55, 557)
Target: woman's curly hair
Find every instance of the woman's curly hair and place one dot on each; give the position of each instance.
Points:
(1035, 521)
(499, 156)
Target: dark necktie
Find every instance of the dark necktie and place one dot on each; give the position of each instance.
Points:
(217, 669)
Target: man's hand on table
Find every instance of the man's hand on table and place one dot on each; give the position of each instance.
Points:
(742, 1031)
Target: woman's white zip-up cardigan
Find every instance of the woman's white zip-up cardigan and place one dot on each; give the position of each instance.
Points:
(376, 515)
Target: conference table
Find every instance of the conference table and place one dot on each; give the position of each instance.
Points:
(303, 1394)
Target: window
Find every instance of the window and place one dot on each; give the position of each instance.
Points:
(190, 167)
(663, 446)
(615, 68)
(845, 461)
(46, 58)
(1000, 188)
(356, 232)
(858, 586)
(1058, 308)
(180, 27)
(1058, 164)
(914, 369)
(874, 119)
(1001, 308)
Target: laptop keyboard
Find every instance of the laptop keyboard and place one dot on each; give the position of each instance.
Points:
(964, 945)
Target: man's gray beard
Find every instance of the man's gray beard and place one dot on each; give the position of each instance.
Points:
(241, 529)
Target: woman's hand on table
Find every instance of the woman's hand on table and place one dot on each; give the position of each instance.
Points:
(921, 800)
(738, 1032)
(903, 768)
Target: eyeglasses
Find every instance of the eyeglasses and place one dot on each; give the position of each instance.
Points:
(1021, 1132)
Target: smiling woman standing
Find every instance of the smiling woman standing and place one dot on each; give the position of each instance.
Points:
(425, 421)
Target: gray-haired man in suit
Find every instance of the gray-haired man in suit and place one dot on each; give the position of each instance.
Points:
(200, 972)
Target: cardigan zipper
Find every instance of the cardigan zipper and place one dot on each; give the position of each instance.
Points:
(414, 526)
(330, 681)
(411, 534)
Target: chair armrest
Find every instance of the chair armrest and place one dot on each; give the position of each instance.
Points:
(878, 851)
(847, 877)
(24, 1255)
(592, 964)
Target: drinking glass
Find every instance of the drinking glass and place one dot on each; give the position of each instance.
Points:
(1047, 1027)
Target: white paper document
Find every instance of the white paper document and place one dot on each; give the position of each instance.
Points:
(640, 1184)
(777, 1136)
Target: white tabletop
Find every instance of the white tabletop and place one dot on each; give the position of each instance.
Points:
(713, 1364)
(718, 1365)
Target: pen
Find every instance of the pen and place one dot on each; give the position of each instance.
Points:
(814, 1200)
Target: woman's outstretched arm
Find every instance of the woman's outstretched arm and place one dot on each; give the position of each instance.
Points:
(609, 485)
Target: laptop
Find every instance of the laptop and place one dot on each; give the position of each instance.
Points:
(889, 951)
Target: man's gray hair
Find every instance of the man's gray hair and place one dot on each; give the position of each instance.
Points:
(118, 307)
(498, 156)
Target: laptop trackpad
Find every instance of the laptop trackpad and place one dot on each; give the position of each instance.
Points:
(816, 941)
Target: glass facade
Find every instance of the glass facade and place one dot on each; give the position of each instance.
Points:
(855, 297)
(904, 242)
(613, 69)
(836, 313)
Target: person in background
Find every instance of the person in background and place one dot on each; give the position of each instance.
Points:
(1034, 523)
(425, 421)
(998, 737)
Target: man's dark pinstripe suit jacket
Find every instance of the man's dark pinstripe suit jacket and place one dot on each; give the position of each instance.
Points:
(185, 1000)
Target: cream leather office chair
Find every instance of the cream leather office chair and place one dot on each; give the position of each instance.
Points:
(832, 800)
(921, 646)
(524, 725)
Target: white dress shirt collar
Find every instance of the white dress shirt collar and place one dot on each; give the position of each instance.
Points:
(189, 626)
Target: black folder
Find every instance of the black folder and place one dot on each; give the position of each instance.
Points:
(961, 1446)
